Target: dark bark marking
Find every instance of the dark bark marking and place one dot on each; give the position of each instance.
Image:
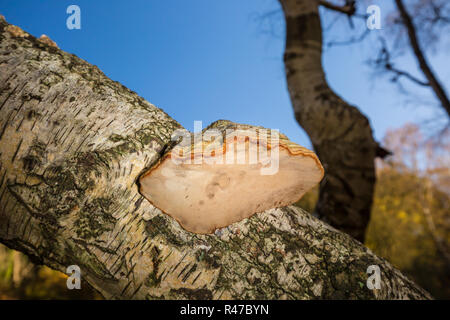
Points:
(7, 97)
(17, 150)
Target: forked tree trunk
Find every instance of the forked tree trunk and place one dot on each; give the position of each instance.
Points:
(72, 145)
(340, 133)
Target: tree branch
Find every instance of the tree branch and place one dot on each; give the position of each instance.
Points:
(423, 64)
(349, 8)
(384, 62)
(400, 73)
(350, 41)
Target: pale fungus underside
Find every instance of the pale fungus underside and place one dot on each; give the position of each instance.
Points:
(237, 172)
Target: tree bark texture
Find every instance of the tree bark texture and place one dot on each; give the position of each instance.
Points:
(340, 133)
(72, 145)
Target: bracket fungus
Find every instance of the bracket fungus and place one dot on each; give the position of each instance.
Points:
(227, 173)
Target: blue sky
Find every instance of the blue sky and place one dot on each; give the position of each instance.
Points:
(208, 60)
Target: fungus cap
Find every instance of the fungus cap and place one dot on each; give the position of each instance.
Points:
(203, 190)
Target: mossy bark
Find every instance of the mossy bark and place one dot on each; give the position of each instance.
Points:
(72, 145)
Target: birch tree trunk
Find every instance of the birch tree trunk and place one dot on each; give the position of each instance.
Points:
(72, 144)
(340, 133)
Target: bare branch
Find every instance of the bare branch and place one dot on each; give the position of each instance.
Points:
(350, 41)
(382, 152)
(418, 52)
(399, 73)
(384, 61)
(349, 8)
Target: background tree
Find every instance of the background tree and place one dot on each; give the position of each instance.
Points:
(411, 29)
(422, 22)
(340, 134)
